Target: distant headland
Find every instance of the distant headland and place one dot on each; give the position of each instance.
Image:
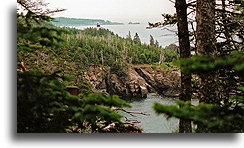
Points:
(132, 23)
(64, 21)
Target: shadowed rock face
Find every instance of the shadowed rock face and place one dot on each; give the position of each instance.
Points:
(140, 81)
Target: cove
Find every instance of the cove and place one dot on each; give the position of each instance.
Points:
(153, 123)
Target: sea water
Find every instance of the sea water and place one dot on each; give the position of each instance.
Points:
(164, 35)
(153, 123)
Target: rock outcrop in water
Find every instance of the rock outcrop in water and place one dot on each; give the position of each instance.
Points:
(139, 82)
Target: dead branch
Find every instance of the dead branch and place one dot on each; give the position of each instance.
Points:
(130, 112)
(131, 122)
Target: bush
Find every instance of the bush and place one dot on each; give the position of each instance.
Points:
(44, 106)
(42, 103)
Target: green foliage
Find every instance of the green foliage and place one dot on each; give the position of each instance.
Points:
(92, 47)
(99, 99)
(137, 39)
(33, 34)
(119, 68)
(51, 60)
(151, 41)
(225, 68)
(204, 63)
(101, 46)
(42, 103)
(97, 107)
(168, 19)
(167, 65)
(226, 117)
(128, 37)
(170, 55)
(97, 32)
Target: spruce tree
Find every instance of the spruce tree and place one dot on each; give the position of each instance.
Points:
(224, 58)
(129, 36)
(184, 43)
(137, 39)
(33, 33)
(156, 43)
(206, 41)
(152, 43)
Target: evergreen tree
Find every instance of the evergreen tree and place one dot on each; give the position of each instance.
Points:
(151, 41)
(205, 36)
(32, 34)
(183, 35)
(129, 36)
(214, 59)
(156, 43)
(224, 118)
(137, 39)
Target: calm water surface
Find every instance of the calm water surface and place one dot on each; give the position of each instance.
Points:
(164, 36)
(153, 123)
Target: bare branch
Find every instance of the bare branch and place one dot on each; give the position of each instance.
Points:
(130, 112)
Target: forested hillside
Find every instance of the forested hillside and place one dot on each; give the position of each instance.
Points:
(93, 46)
(50, 58)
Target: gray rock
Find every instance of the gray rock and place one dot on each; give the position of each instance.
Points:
(139, 83)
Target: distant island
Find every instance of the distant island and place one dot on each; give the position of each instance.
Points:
(64, 21)
(131, 23)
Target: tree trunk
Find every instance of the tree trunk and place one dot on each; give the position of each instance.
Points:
(205, 17)
(183, 35)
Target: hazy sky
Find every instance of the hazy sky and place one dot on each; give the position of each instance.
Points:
(114, 10)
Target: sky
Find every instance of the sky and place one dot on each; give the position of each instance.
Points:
(114, 10)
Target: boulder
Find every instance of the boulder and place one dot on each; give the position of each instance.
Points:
(115, 85)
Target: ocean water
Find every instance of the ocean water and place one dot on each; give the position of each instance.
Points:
(153, 123)
(165, 36)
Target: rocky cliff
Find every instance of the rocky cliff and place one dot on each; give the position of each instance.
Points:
(139, 82)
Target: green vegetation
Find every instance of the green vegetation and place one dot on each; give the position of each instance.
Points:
(45, 107)
(93, 47)
(226, 117)
(102, 45)
(64, 21)
(217, 69)
(43, 104)
(58, 57)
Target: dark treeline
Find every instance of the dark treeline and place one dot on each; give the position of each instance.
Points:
(102, 45)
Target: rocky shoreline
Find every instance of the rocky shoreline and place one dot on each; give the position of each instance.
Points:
(139, 82)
